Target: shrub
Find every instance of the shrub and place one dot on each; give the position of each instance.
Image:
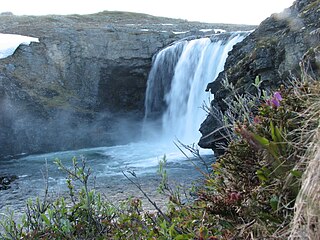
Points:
(254, 185)
(249, 193)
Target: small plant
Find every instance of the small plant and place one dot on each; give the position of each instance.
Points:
(256, 181)
(81, 216)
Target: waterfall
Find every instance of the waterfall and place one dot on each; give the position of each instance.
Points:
(177, 81)
(159, 80)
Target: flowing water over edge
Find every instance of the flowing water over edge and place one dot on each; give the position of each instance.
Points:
(175, 94)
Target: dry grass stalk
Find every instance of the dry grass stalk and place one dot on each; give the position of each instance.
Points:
(306, 221)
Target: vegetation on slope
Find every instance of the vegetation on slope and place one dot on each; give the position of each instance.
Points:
(250, 193)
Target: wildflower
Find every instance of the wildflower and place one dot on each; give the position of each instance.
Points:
(275, 100)
(277, 96)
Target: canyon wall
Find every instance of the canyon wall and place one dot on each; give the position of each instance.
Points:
(83, 84)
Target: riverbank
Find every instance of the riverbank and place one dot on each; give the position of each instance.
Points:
(36, 172)
(115, 190)
(252, 190)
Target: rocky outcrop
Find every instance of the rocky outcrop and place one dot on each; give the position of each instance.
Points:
(273, 52)
(83, 84)
(5, 181)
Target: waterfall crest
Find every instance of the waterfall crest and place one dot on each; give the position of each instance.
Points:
(177, 81)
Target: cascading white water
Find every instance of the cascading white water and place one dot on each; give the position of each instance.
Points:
(181, 91)
(160, 76)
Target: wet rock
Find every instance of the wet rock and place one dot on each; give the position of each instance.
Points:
(273, 52)
(5, 181)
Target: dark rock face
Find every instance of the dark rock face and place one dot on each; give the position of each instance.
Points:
(273, 52)
(83, 84)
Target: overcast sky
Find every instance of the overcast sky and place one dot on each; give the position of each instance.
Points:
(215, 11)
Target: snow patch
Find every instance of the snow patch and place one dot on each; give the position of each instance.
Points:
(206, 30)
(180, 32)
(10, 42)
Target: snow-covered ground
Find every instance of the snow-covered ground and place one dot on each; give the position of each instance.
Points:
(10, 42)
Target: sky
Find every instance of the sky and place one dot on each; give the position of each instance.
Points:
(212, 11)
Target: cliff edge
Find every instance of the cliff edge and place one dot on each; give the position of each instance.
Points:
(273, 52)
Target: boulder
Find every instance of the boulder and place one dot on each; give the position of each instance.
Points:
(5, 181)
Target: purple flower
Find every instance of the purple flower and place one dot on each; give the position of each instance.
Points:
(275, 102)
(277, 96)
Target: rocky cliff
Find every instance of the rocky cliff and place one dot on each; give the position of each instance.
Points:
(83, 84)
(273, 52)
